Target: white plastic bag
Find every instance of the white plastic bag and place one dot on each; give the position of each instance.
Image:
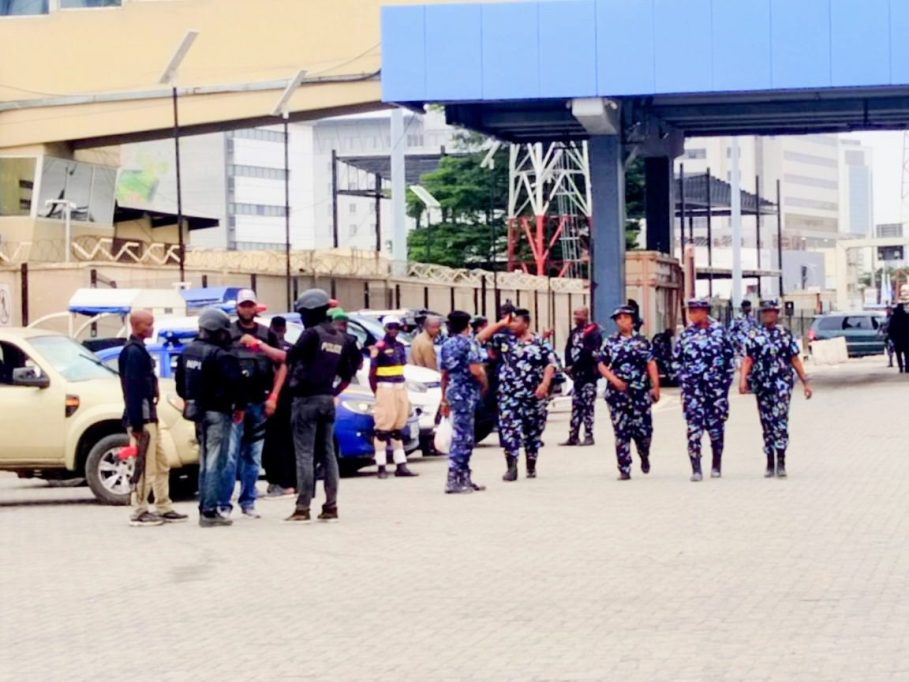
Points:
(444, 434)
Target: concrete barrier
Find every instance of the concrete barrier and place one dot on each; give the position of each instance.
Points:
(830, 352)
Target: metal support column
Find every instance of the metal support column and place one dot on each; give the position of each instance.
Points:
(335, 241)
(398, 193)
(757, 218)
(607, 179)
(659, 204)
(779, 234)
(378, 213)
(709, 237)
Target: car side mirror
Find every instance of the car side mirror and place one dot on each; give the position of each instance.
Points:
(29, 376)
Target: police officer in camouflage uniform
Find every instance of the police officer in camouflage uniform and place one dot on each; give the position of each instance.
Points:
(626, 362)
(581, 353)
(704, 360)
(743, 328)
(463, 379)
(771, 361)
(525, 377)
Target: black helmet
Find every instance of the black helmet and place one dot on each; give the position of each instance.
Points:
(214, 320)
(312, 299)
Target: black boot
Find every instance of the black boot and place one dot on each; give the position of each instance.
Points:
(716, 468)
(468, 482)
(572, 441)
(512, 473)
(781, 464)
(624, 475)
(696, 474)
(531, 467)
(770, 472)
(383, 473)
(455, 483)
(401, 471)
(588, 440)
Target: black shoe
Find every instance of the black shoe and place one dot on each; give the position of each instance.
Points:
(512, 473)
(716, 473)
(588, 441)
(716, 469)
(383, 473)
(624, 476)
(145, 519)
(172, 517)
(468, 481)
(770, 471)
(329, 514)
(299, 515)
(571, 442)
(214, 520)
(403, 472)
(645, 464)
(531, 467)
(696, 477)
(696, 474)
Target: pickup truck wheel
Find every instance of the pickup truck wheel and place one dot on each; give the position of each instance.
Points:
(108, 475)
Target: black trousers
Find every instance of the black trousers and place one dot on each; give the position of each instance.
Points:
(278, 458)
(902, 356)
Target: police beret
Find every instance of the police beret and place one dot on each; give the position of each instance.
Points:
(338, 314)
(698, 303)
(770, 304)
(312, 299)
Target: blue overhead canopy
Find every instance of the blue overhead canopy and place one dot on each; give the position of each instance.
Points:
(705, 67)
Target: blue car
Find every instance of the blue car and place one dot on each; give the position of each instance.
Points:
(353, 424)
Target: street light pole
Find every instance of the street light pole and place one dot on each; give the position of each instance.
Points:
(169, 77)
(281, 109)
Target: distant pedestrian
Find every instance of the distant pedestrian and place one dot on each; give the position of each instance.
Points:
(211, 384)
(885, 332)
(662, 353)
(525, 379)
(425, 347)
(742, 328)
(769, 368)
(704, 362)
(898, 333)
(463, 381)
(140, 395)
(581, 358)
(627, 364)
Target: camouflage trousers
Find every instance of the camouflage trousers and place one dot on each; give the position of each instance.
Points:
(582, 408)
(632, 420)
(773, 409)
(521, 424)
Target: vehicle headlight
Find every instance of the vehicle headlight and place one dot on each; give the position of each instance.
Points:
(416, 387)
(358, 406)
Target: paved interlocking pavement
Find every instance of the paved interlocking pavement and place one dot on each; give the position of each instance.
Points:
(572, 576)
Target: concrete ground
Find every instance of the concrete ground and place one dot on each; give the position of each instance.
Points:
(572, 576)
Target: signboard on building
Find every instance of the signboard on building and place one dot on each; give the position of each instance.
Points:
(6, 305)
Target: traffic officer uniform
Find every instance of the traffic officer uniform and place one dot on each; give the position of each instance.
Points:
(321, 366)
(392, 410)
(704, 361)
(581, 353)
(210, 382)
(459, 352)
(772, 379)
(522, 416)
(628, 357)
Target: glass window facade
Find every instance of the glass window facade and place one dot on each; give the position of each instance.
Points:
(88, 4)
(18, 8)
(91, 188)
(17, 181)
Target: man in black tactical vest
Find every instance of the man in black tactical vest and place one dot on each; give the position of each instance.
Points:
(209, 380)
(320, 357)
(262, 362)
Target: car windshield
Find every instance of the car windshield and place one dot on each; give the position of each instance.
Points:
(374, 326)
(73, 361)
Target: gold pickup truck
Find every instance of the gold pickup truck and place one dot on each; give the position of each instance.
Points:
(61, 415)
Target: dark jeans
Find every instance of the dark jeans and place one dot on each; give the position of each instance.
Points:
(214, 459)
(902, 357)
(313, 427)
